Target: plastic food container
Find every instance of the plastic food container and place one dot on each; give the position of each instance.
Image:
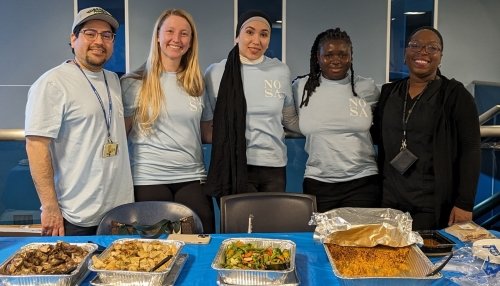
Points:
(123, 277)
(435, 244)
(50, 279)
(249, 276)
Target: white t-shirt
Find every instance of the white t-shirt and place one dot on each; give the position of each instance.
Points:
(336, 125)
(62, 105)
(172, 153)
(267, 87)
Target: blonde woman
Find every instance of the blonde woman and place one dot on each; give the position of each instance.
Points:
(163, 103)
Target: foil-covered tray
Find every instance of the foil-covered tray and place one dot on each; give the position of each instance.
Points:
(48, 280)
(249, 276)
(169, 281)
(120, 277)
(365, 227)
(419, 266)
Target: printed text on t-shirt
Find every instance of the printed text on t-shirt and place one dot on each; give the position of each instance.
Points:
(272, 88)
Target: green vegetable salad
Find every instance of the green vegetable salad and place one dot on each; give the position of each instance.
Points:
(239, 255)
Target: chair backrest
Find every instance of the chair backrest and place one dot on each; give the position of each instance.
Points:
(272, 212)
(147, 213)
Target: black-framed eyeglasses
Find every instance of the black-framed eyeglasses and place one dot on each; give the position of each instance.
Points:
(91, 35)
(429, 48)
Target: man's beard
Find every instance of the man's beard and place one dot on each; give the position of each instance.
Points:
(97, 63)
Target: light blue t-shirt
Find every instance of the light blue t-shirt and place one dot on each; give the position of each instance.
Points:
(267, 87)
(61, 105)
(172, 152)
(336, 125)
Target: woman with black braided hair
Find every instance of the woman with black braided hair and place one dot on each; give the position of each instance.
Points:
(335, 111)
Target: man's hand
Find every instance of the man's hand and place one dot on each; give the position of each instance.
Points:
(458, 215)
(52, 221)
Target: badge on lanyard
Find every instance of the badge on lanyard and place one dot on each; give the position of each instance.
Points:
(110, 149)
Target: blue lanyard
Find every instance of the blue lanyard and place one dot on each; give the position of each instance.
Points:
(108, 120)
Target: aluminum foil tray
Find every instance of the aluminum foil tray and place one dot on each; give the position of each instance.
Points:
(254, 277)
(139, 278)
(48, 280)
(171, 277)
(292, 279)
(419, 266)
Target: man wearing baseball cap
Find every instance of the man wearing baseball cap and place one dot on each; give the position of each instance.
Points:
(75, 133)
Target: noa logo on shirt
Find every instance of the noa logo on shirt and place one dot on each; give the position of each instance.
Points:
(272, 88)
(357, 107)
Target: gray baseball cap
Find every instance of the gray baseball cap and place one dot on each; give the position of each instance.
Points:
(94, 13)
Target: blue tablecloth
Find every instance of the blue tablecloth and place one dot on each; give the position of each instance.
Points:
(311, 261)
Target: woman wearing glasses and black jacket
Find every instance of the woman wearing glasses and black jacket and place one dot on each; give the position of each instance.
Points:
(427, 130)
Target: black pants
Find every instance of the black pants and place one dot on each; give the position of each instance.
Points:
(424, 218)
(363, 192)
(189, 194)
(420, 205)
(266, 179)
(74, 230)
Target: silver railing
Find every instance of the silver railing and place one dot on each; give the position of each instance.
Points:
(490, 130)
(488, 114)
(11, 134)
(486, 131)
(18, 134)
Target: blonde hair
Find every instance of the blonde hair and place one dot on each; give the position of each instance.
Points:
(151, 95)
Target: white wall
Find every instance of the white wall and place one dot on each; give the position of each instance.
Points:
(471, 34)
(33, 40)
(364, 20)
(214, 22)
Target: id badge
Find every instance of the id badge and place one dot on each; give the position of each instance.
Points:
(403, 160)
(110, 149)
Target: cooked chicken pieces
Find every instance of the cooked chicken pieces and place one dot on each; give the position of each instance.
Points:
(60, 258)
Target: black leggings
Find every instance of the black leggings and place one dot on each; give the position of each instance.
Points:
(189, 194)
(266, 179)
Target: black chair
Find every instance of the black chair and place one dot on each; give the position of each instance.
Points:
(147, 213)
(267, 212)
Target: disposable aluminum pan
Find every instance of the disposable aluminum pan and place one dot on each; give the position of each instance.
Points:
(291, 279)
(48, 280)
(249, 276)
(419, 266)
(137, 278)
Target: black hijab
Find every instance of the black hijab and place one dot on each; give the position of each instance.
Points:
(228, 166)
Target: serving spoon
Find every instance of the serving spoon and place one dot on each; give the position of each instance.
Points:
(163, 261)
(440, 267)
